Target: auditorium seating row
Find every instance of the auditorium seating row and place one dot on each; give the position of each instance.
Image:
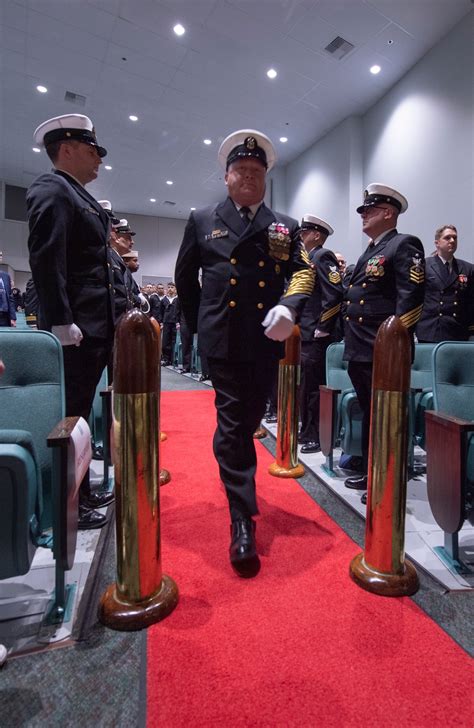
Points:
(38, 499)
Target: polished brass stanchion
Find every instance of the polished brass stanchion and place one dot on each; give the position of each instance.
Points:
(142, 594)
(286, 464)
(382, 567)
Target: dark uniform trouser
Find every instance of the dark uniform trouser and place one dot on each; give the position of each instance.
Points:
(241, 390)
(313, 373)
(83, 367)
(168, 342)
(360, 373)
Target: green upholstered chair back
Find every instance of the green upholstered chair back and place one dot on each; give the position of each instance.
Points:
(453, 378)
(421, 369)
(336, 368)
(32, 394)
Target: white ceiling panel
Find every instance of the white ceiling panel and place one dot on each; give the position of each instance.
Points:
(204, 84)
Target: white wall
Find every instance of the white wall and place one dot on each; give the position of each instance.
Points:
(419, 138)
(157, 240)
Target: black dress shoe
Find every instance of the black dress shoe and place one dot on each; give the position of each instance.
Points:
(357, 483)
(311, 446)
(204, 378)
(88, 518)
(97, 500)
(271, 418)
(243, 549)
(186, 370)
(363, 498)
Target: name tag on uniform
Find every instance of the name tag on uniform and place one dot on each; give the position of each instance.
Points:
(217, 234)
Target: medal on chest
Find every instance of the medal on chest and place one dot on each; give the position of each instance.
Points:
(279, 241)
(375, 267)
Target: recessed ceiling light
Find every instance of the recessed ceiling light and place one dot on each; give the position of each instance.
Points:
(179, 30)
(37, 150)
(375, 69)
(107, 166)
(283, 140)
(42, 89)
(169, 181)
(207, 141)
(152, 199)
(271, 73)
(132, 117)
(193, 208)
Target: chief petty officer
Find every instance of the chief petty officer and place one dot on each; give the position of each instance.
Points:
(388, 279)
(247, 254)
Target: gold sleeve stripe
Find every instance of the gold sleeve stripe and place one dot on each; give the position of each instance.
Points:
(331, 312)
(301, 282)
(411, 317)
(305, 256)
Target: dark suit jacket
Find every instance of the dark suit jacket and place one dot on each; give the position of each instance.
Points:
(244, 273)
(68, 247)
(322, 309)
(388, 279)
(8, 306)
(448, 310)
(123, 296)
(171, 310)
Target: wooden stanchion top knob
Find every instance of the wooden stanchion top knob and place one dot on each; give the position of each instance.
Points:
(136, 365)
(392, 357)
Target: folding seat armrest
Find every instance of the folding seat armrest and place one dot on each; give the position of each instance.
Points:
(450, 422)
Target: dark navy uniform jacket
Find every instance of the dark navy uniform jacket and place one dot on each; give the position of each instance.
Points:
(68, 246)
(7, 305)
(388, 279)
(245, 269)
(124, 299)
(448, 310)
(323, 308)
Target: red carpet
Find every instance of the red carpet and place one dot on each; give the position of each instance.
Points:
(300, 645)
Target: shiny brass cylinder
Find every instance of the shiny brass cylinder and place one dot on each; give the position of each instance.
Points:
(382, 568)
(142, 594)
(286, 464)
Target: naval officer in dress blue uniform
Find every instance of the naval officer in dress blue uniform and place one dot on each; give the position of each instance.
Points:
(68, 245)
(388, 279)
(318, 325)
(448, 310)
(256, 278)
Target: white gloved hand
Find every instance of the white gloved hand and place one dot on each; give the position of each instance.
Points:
(320, 334)
(143, 298)
(68, 335)
(279, 322)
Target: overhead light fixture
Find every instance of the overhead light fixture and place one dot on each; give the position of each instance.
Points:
(207, 141)
(283, 140)
(271, 73)
(169, 181)
(192, 208)
(42, 89)
(132, 117)
(375, 69)
(107, 166)
(152, 199)
(179, 30)
(37, 150)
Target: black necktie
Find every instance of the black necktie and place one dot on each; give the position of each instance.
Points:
(447, 271)
(245, 214)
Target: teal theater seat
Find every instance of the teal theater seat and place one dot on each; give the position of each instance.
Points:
(36, 494)
(421, 393)
(340, 416)
(450, 441)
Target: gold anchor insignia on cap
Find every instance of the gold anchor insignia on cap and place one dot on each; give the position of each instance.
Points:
(68, 133)
(250, 142)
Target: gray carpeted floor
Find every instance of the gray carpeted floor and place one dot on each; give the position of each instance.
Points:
(100, 682)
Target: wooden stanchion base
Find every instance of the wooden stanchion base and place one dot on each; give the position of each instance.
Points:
(165, 476)
(387, 585)
(163, 436)
(280, 472)
(124, 616)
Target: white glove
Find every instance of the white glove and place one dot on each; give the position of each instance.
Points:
(279, 322)
(143, 298)
(68, 335)
(320, 334)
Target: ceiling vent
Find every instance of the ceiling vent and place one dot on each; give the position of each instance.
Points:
(73, 98)
(339, 48)
(169, 202)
